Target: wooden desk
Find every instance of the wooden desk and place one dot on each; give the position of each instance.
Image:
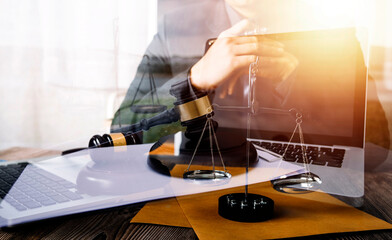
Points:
(114, 223)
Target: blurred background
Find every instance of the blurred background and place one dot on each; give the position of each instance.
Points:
(65, 66)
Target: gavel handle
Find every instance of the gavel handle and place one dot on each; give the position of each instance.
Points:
(165, 117)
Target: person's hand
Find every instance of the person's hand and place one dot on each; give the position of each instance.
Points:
(273, 69)
(230, 56)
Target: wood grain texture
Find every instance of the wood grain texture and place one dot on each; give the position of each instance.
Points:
(19, 153)
(114, 223)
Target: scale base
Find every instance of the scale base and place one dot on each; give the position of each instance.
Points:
(252, 208)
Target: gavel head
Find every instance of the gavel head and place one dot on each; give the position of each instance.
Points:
(194, 107)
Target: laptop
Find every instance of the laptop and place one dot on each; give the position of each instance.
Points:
(74, 183)
(95, 179)
(328, 89)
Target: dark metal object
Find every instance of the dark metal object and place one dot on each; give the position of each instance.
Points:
(248, 207)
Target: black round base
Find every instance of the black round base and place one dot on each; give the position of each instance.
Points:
(233, 149)
(253, 208)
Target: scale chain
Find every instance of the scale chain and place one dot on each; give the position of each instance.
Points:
(212, 137)
(298, 121)
(197, 146)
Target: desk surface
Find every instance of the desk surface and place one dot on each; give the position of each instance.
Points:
(114, 223)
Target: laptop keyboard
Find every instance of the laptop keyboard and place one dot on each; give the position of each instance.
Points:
(25, 186)
(325, 156)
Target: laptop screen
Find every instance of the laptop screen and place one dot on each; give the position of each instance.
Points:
(327, 87)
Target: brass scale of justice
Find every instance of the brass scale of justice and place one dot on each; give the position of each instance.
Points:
(243, 207)
(248, 207)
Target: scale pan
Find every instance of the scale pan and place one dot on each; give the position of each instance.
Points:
(207, 175)
(302, 183)
(148, 108)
